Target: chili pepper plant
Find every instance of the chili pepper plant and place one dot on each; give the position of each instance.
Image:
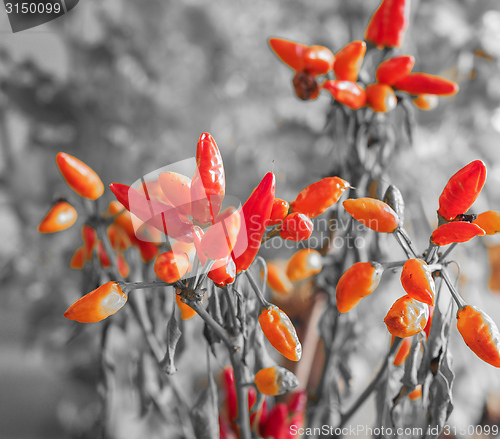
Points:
(170, 249)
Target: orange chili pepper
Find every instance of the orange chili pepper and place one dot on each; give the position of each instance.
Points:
(403, 350)
(122, 265)
(456, 231)
(425, 102)
(296, 227)
(380, 98)
(423, 83)
(79, 176)
(319, 196)
(186, 311)
(416, 394)
(374, 214)
(394, 69)
(78, 259)
(407, 317)
(61, 216)
(348, 61)
(479, 333)
(98, 304)
(388, 23)
(170, 266)
(291, 53)
(347, 93)
(489, 221)
(279, 211)
(417, 281)
(118, 237)
(275, 380)
(357, 282)
(280, 332)
(277, 279)
(304, 263)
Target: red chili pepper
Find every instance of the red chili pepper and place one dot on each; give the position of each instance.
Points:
(374, 214)
(304, 263)
(122, 265)
(279, 211)
(220, 237)
(61, 216)
(89, 237)
(118, 238)
(456, 231)
(407, 317)
(462, 190)
(277, 279)
(79, 176)
(428, 326)
(102, 255)
(170, 266)
(186, 311)
(208, 185)
(425, 102)
(280, 332)
(403, 350)
(348, 61)
(292, 54)
(380, 98)
(423, 83)
(98, 304)
(298, 402)
(276, 426)
(318, 197)
(78, 259)
(296, 227)
(255, 213)
(198, 234)
(231, 401)
(349, 94)
(393, 69)
(177, 190)
(489, 221)
(357, 282)
(417, 281)
(275, 380)
(148, 250)
(223, 272)
(388, 24)
(479, 333)
(305, 85)
(318, 60)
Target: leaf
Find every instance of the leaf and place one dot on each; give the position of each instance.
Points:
(173, 335)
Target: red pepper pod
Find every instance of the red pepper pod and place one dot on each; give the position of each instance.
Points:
(177, 190)
(291, 53)
(318, 60)
(102, 255)
(296, 227)
(479, 333)
(223, 272)
(276, 425)
(424, 83)
(462, 190)
(255, 217)
(61, 216)
(418, 282)
(279, 211)
(489, 221)
(89, 238)
(407, 317)
(305, 85)
(220, 237)
(198, 234)
(380, 98)
(348, 61)
(319, 196)
(456, 231)
(388, 24)
(208, 185)
(79, 176)
(347, 93)
(359, 281)
(393, 69)
(170, 266)
(374, 214)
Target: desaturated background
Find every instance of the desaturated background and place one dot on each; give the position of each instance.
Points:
(128, 86)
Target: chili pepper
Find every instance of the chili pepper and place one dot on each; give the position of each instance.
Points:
(280, 332)
(198, 234)
(61, 216)
(177, 190)
(102, 255)
(148, 250)
(423, 83)
(462, 190)
(279, 211)
(348, 61)
(151, 189)
(231, 401)
(186, 311)
(276, 426)
(79, 176)
(357, 282)
(208, 185)
(225, 430)
(425, 102)
(292, 54)
(319, 196)
(220, 237)
(275, 380)
(407, 317)
(153, 212)
(380, 98)
(296, 227)
(489, 221)
(479, 333)
(417, 281)
(416, 394)
(98, 304)
(185, 247)
(388, 24)
(318, 60)
(170, 266)
(393, 69)
(297, 402)
(118, 238)
(255, 216)
(304, 263)
(122, 265)
(223, 272)
(456, 231)
(305, 85)
(395, 200)
(403, 350)
(428, 326)
(77, 261)
(89, 237)
(374, 214)
(277, 279)
(347, 93)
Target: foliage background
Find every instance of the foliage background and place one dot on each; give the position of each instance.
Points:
(128, 87)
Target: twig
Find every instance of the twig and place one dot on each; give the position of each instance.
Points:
(257, 290)
(456, 296)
